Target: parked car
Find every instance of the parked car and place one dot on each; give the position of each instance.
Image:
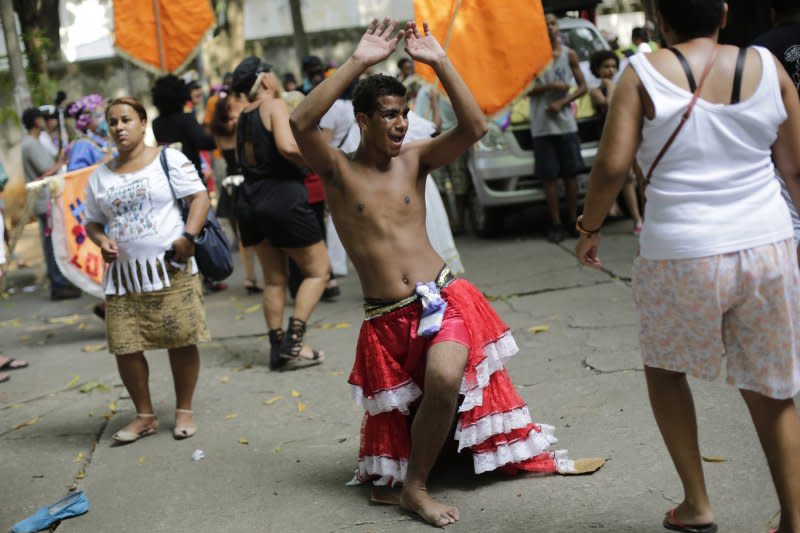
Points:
(501, 163)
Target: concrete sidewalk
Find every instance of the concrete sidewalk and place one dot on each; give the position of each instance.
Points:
(583, 376)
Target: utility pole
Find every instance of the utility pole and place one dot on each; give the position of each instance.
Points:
(300, 41)
(22, 94)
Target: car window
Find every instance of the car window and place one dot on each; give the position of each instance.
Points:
(584, 41)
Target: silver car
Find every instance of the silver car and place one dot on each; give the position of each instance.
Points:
(501, 163)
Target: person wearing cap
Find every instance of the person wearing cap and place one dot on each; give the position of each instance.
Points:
(49, 135)
(37, 163)
(274, 216)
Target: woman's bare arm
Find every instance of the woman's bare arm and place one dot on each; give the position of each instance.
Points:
(278, 113)
(617, 151)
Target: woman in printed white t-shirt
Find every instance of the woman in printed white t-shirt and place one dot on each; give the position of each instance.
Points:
(717, 271)
(154, 299)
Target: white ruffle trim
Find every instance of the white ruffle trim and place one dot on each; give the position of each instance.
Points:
(391, 471)
(140, 275)
(387, 400)
(497, 353)
(563, 463)
(490, 426)
(521, 450)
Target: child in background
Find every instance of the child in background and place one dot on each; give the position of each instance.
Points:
(605, 65)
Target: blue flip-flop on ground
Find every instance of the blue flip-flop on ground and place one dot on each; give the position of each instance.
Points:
(71, 505)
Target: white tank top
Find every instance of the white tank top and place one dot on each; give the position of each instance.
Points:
(715, 190)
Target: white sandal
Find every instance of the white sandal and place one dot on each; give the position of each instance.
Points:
(130, 436)
(184, 432)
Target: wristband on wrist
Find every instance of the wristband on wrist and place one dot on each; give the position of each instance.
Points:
(190, 236)
(583, 231)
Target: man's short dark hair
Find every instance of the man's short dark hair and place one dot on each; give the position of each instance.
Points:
(368, 90)
(639, 33)
(598, 58)
(403, 61)
(29, 117)
(691, 19)
(170, 94)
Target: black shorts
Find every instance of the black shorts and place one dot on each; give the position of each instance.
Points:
(557, 156)
(277, 212)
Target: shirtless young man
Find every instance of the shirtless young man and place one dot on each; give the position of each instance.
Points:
(377, 200)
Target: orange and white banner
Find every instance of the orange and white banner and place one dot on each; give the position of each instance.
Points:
(498, 51)
(78, 258)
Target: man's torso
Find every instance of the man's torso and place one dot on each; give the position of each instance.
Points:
(546, 123)
(380, 218)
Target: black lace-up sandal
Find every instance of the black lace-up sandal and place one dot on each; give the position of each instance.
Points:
(291, 349)
(276, 337)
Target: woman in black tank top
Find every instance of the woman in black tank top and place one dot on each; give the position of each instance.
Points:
(223, 126)
(274, 216)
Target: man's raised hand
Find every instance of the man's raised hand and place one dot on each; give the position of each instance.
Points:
(378, 42)
(423, 48)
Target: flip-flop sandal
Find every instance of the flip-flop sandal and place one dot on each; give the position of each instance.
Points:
(9, 365)
(673, 524)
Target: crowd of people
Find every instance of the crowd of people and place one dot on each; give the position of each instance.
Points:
(348, 159)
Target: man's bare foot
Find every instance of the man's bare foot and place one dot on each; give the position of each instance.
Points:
(435, 513)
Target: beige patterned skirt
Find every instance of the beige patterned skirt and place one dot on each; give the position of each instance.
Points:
(172, 317)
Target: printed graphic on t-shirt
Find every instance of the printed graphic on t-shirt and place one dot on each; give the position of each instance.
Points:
(792, 59)
(133, 210)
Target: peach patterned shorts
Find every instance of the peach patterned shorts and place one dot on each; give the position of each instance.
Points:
(745, 305)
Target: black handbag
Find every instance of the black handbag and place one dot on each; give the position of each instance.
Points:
(211, 249)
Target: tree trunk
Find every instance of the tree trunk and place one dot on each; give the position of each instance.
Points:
(22, 94)
(39, 22)
(223, 52)
(300, 40)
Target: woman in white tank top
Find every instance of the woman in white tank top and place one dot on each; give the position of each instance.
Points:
(717, 270)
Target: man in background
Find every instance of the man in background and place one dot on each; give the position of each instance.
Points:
(556, 145)
(37, 163)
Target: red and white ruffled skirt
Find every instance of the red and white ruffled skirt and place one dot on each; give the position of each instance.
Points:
(494, 423)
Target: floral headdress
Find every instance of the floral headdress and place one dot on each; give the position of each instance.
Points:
(84, 109)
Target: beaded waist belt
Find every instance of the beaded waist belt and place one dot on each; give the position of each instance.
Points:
(374, 309)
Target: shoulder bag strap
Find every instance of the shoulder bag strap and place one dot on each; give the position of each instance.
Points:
(686, 68)
(163, 158)
(684, 118)
(736, 95)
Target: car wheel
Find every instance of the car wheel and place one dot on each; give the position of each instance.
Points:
(485, 221)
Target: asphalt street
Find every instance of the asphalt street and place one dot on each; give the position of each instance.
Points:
(280, 446)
